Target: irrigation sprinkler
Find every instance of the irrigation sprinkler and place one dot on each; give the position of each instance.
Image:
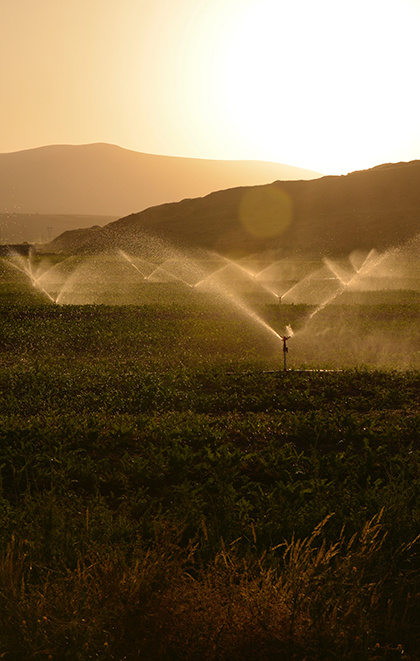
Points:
(285, 349)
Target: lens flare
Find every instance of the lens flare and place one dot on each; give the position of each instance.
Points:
(266, 211)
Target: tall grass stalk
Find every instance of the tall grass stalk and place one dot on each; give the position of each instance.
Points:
(307, 598)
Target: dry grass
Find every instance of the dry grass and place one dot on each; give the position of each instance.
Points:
(306, 599)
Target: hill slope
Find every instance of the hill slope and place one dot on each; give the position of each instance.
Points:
(39, 227)
(102, 179)
(374, 208)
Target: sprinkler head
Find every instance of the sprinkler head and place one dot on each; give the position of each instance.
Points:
(285, 338)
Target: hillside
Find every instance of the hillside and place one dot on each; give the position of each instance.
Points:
(40, 227)
(374, 208)
(103, 179)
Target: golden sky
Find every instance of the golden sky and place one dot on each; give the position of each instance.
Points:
(327, 85)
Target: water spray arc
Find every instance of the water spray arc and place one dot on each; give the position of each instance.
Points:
(24, 266)
(119, 278)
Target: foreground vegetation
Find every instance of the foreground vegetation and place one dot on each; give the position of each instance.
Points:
(168, 493)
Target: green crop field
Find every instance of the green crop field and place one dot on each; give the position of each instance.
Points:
(169, 492)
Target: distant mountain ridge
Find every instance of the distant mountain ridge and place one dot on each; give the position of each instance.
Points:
(375, 208)
(106, 180)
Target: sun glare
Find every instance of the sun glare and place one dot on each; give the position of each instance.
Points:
(312, 82)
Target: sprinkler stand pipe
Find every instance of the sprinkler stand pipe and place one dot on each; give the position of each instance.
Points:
(285, 349)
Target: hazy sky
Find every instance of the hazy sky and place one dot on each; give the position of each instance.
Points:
(323, 84)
